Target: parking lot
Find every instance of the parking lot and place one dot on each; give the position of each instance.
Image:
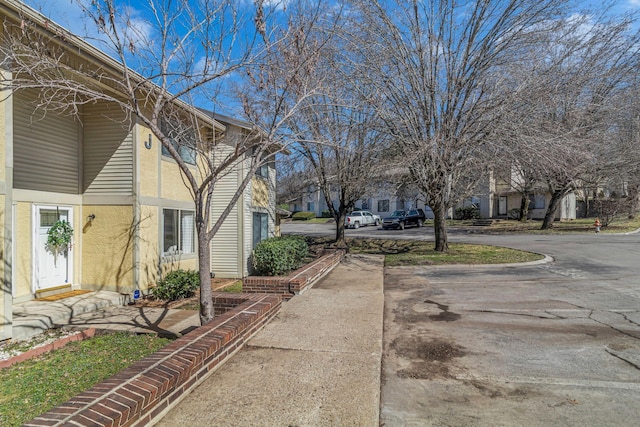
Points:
(547, 344)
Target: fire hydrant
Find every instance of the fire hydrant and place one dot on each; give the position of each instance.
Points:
(597, 225)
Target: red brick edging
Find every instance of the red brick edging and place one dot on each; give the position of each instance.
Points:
(296, 282)
(143, 392)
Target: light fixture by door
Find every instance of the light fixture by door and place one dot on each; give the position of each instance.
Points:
(147, 144)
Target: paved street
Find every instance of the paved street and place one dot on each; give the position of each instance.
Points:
(549, 344)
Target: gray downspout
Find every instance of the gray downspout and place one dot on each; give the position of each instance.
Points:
(7, 288)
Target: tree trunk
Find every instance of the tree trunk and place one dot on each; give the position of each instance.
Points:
(204, 269)
(634, 191)
(587, 202)
(340, 239)
(554, 204)
(440, 228)
(524, 207)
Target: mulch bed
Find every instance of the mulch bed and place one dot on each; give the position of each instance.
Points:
(149, 301)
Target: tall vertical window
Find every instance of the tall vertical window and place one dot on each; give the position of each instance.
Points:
(263, 169)
(178, 231)
(260, 227)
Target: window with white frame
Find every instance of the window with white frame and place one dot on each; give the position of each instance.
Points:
(260, 227)
(188, 154)
(383, 205)
(178, 236)
(182, 140)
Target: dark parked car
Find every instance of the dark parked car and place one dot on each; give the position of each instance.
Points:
(402, 219)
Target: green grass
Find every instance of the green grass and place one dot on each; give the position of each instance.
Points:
(33, 387)
(314, 221)
(414, 252)
(581, 225)
(411, 252)
(236, 288)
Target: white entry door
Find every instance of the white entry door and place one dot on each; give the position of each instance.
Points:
(51, 269)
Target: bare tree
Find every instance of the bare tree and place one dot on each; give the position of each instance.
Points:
(563, 102)
(338, 135)
(624, 150)
(434, 65)
(308, 90)
(158, 67)
(346, 154)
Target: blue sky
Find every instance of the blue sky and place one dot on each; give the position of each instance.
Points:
(69, 14)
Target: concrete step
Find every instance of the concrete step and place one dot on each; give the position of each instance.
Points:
(34, 317)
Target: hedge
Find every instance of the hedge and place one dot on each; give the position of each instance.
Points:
(176, 285)
(303, 216)
(278, 255)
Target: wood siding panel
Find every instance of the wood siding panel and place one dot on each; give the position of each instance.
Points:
(108, 152)
(46, 148)
(225, 245)
(248, 225)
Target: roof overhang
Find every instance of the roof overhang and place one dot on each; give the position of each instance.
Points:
(60, 35)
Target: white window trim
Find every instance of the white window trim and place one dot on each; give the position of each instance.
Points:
(169, 256)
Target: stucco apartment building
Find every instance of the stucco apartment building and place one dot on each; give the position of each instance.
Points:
(494, 197)
(132, 216)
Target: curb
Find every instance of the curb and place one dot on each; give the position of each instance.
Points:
(546, 260)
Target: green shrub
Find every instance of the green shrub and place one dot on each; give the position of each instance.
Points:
(303, 216)
(514, 213)
(278, 255)
(326, 214)
(470, 212)
(177, 284)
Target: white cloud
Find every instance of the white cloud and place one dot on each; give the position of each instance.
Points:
(277, 4)
(131, 26)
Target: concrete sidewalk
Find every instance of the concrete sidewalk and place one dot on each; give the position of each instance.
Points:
(317, 363)
(99, 310)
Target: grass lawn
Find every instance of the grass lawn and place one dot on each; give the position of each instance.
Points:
(313, 221)
(408, 252)
(581, 225)
(33, 387)
(414, 252)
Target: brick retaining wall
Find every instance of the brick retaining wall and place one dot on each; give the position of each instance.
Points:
(143, 392)
(296, 282)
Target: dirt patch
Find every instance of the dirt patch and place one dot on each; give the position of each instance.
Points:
(445, 315)
(415, 308)
(427, 359)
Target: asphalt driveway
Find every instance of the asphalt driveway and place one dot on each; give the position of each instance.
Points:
(548, 344)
